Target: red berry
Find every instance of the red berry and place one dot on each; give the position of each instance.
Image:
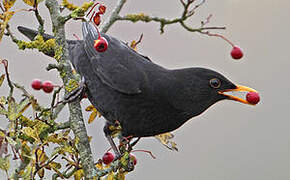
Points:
(101, 44)
(36, 84)
(47, 86)
(108, 158)
(85, 95)
(134, 159)
(102, 9)
(97, 19)
(236, 53)
(253, 97)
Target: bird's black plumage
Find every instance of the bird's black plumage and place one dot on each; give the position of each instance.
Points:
(145, 98)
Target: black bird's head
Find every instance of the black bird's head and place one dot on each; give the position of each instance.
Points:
(202, 88)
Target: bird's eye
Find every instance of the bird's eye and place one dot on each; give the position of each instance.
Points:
(215, 83)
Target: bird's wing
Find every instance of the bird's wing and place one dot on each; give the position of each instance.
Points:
(120, 67)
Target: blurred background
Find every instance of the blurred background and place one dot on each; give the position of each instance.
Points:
(230, 141)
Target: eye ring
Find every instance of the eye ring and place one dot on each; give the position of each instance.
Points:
(215, 83)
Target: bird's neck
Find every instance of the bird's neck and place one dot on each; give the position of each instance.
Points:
(185, 96)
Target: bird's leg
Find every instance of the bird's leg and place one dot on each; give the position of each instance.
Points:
(108, 134)
(76, 93)
(134, 143)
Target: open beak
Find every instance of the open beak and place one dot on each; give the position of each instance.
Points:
(238, 94)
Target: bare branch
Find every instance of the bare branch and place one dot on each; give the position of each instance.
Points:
(10, 84)
(113, 17)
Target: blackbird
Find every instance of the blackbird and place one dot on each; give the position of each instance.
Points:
(145, 98)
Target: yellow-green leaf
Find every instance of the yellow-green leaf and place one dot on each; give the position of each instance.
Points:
(11, 141)
(110, 176)
(5, 163)
(41, 173)
(2, 79)
(42, 158)
(2, 100)
(28, 131)
(165, 139)
(55, 165)
(22, 106)
(8, 4)
(78, 174)
(31, 2)
(92, 117)
(95, 113)
(12, 109)
(90, 108)
(120, 175)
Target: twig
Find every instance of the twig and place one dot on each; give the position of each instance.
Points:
(10, 84)
(113, 17)
(39, 19)
(163, 21)
(9, 33)
(218, 35)
(64, 125)
(3, 10)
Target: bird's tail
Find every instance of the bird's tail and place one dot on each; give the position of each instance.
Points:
(30, 33)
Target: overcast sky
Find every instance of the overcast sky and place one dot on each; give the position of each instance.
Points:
(230, 141)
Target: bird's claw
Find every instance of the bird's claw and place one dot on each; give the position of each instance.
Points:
(76, 93)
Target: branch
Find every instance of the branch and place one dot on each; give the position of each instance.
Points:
(76, 118)
(39, 19)
(187, 12)
(10, 84)
(113, 17)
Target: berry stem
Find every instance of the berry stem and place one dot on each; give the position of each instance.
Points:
(76, 36)
(149, 152)
(92, 8)
(220, 36)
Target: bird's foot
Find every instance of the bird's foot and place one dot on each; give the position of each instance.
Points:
(79, 92)
(114, 147)
(127, 140)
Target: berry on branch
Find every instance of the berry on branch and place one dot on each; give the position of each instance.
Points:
(47, 86)
(36, 84)
(108, 158)
(236, 53)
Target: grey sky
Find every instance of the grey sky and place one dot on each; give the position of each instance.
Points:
(230, 141)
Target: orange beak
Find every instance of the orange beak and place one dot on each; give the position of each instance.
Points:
(238, 94)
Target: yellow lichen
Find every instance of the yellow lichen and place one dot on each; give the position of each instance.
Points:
(77, 11)
(138, 17)
(80, 11)
(72, 84)
(58, 53)
(69, 6)
(46, 47)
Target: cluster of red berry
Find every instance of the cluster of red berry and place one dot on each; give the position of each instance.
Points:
(109, 157)
(101, 44)
(46, 86)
